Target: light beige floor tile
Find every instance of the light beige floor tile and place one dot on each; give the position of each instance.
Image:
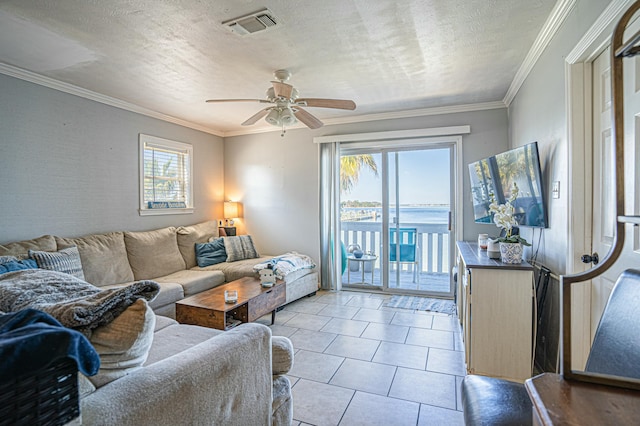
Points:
(446, 361)
(353, 347)
(318, 403)
(432, 338)
(374, 315)
(364, 376)
(430, 415)
(368, 409)
(282, 330)
(386, 332)
(412, 320)
(335, 298)
(315, 366)
(408, 356)
(447, 323)
(365, 302)
(339, 311)
(292, 379)
(304, 307)
(425, 387)
(459, 392)
(344, 326)
(310, 340)
(281, 317)
(307, 321)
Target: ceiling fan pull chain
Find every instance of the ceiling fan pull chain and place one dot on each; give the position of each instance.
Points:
(283, 131)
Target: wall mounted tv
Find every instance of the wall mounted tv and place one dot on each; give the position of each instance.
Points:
(495, 175)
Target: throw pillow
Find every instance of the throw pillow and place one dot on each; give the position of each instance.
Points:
(123, 344)
(66, 260)
(210, 253)
(239, 248)
(188, 236)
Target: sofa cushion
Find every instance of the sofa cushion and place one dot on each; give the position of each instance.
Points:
(21, 248)
(210, 253)
(104, 257)
(123, 344)
(65, 260)
(194, 281)
(239, 248)
(169, 293)
(163, 322)
(235, 270)
(153, 253)
(188, 236)
(177, 338)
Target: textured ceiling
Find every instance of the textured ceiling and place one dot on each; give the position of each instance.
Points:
(170, 56)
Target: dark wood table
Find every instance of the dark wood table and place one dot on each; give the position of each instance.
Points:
(209, 309)
(557, 401)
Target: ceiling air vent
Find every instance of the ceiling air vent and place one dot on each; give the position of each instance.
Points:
(252, 23)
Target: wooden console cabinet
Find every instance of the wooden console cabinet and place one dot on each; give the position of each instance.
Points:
(495, 304)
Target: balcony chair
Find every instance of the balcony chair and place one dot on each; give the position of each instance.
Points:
(615, 351)
(407, 238)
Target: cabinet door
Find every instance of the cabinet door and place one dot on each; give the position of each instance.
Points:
(501, 319)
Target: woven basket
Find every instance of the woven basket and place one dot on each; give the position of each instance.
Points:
(44, 397)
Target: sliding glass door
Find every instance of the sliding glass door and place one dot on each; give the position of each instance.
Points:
(396, 206)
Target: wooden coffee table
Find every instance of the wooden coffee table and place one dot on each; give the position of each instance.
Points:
(209, 309)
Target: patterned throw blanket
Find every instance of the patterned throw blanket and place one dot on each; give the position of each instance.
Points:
(72, 301)
(286, 264)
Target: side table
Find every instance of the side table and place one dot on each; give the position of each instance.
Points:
(364, 259)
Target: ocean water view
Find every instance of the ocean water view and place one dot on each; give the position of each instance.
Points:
(408, 214)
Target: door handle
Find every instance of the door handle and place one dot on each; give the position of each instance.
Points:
(590, 258)
(449, 222)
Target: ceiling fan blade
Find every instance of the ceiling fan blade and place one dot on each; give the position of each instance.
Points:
(255, 117)
(327, 103)
(309, 120)
(282, 89)
(262, 101)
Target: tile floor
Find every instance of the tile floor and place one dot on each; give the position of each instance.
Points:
(359, 363)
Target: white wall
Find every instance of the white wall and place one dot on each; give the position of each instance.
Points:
(277, 178)
(539, 113)
(69, 166)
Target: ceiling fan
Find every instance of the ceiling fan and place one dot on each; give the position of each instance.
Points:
(287, 107)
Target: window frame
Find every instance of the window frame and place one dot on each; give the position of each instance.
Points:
(148, 141)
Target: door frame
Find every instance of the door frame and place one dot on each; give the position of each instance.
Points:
(452, 134)
(579, 100)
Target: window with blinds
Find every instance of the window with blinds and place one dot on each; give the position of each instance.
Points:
(165, 176)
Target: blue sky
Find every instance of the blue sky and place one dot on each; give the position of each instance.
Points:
(424, 179)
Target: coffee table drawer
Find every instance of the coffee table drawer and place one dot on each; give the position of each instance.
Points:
(267, 302)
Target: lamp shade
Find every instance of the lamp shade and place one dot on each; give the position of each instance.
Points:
(231, 209)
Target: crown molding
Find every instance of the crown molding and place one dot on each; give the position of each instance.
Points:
(551, 26)
(108, 100)
(601, 28)
(395, 115)
(51, 83)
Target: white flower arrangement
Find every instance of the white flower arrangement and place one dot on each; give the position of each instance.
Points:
(504, 217)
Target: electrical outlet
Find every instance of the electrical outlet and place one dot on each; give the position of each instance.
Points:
(555, 189)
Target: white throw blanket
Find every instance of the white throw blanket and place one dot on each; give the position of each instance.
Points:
(287, 263)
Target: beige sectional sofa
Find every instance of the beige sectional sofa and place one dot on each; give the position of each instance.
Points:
(192, 375)
(166, 256)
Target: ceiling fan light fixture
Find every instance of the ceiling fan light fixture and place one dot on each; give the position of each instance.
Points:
(287, 118)
(273, 117)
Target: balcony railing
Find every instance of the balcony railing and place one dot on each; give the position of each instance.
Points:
(432, 242)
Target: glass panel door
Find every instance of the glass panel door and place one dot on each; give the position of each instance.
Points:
(395, 210)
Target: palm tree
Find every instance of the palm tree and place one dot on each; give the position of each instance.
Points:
(350, 167)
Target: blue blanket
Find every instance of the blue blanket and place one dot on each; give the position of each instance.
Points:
(31, 340)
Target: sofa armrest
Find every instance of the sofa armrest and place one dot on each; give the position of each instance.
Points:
(282, 352)
(224, 380)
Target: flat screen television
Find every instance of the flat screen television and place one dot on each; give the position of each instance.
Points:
(496, 175)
